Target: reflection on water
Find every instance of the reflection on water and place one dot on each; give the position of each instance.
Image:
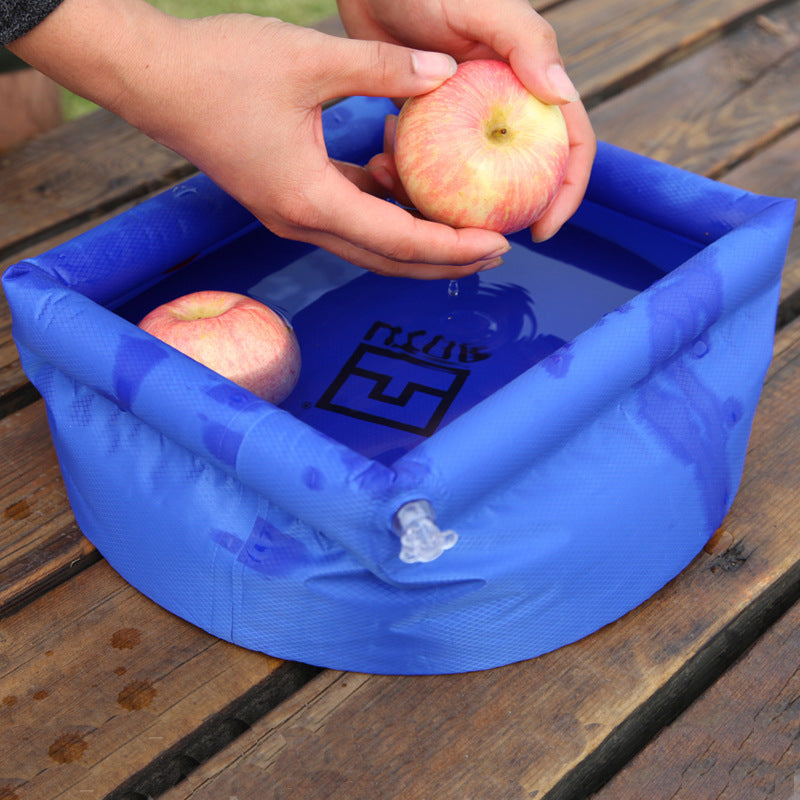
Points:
(388, 361)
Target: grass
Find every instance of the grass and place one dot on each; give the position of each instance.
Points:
(299, 12)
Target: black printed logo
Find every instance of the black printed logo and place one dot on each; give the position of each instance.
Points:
(394, 388)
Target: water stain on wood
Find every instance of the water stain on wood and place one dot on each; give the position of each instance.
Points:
(120, 670)
(137, 695)
(67, 748)
(17, 511)
(40, 694)
(9, 700)
(126, 638)
(7, 793)
(731, 560)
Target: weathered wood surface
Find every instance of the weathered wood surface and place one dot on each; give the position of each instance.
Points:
(40, 542)
(776, 171)
(730, 111)
(739, 741)
(705, 85)
(610, 44)
(66, 181)
(76, 172)
(719, 105)
(97, 683)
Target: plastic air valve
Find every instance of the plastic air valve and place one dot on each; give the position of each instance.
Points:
(422, 540)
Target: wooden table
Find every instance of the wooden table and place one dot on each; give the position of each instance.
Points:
(692, 695)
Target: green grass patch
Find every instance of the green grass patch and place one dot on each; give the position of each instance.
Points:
(299, 12)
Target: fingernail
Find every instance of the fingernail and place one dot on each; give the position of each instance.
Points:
(561, 84)
(432, 66)
(495, 262)
(501, 251)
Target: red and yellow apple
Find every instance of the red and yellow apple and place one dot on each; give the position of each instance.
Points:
(235, 335)
(480, 150)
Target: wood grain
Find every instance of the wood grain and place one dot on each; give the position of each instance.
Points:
(97, 683)
(717, 107)
(78, 171)
(104, 694)
(776, 171)
(608, 45)
(738, 741)
(11, 376)
(40, 542)
(558, 725)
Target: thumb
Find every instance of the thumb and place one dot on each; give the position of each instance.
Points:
(528, 42)
(379, 69)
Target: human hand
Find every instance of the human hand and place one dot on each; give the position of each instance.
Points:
(506, 29)
(240, 97)
(257, 131)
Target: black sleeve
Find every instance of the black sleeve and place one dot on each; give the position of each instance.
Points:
(17, 17)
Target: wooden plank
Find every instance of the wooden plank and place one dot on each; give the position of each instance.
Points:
(61, 184)
(11, 377)
(13, 381)
(717, 107)
(776, 171)
(560, 725)
(610, 44)
(730, 111)
(97, 683)
(79, 171)
(738, 741)
(40, 542)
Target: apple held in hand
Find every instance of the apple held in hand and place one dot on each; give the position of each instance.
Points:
(480, 150)
(236, 336)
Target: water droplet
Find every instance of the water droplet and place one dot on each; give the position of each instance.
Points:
(700, 348)
(452, 289)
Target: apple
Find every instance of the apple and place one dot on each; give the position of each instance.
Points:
(235, 335)
(480, 150)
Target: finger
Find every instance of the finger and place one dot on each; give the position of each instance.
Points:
(400, 269)
(383, 169)
(382, 166)
(583, 147)
(528, 42)
(389, 129)
(355, 67)
(363, 178)
(378, 177)
(390, 233)
(360, 24)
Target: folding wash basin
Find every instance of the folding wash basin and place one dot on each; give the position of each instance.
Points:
(466, 474)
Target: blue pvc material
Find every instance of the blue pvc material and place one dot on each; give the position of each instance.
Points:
(579, 416)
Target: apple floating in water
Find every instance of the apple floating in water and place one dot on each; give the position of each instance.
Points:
(235, 335)
(480, 150)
